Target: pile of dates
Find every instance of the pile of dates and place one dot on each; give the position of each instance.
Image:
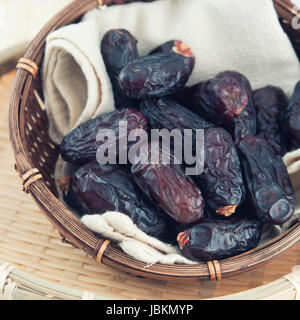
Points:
(244, 184)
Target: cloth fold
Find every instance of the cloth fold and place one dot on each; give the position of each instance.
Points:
(74, 79)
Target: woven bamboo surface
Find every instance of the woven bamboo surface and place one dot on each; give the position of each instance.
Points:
(30, 242)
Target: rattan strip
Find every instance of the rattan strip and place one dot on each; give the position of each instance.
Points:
(211, 270)
(101, 251)
(214, 270)
(29, 66)
(30, 177)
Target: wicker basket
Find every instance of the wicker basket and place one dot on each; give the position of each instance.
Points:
(36, 156)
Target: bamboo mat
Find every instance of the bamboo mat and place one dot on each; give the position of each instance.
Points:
(30, 242)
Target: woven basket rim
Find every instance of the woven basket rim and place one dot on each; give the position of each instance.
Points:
(70, 227)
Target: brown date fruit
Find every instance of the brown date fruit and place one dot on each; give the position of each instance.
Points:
(270, 102)
(101, 188)
(179, 47)
(225, 101)
(166, 185)
(80, 145)
(221, 181)
(291, 120)
(221, 99)
(269, 189)
(118, 47)
(215, 240)
(245, 123)
(165, 113)
(155, 75)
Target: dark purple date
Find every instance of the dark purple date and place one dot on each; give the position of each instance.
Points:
(221, 99)
(215, 240)
(155, 75)
(166, 185)
(80, 145)
(165, 113)
(245, 123)
(270, 102)
(179, 47)
(221, 182)
(101, 188)
(269, 189)
(118, 47)
(291, 120)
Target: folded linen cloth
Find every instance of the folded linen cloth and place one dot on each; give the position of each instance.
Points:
(224, 35)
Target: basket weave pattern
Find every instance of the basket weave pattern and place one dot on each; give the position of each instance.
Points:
(36, 156)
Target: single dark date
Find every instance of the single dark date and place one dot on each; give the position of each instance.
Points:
(166, 185)
(165, 113)
(270, 103)
(101, 188)
(291, 120)
(245, 123)
(80, 145)
(118, 47)
(226, 101)
(153, 76)
(215, 240)
(221, 181)
(269, 189)
(180, 48)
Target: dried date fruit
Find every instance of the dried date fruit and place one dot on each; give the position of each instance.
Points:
(221, 99)
(165, 113)
(179, 47)
(270, 102)
(153, 76)
(118, 47)
(291, 120)
(102, 188)
(268, 186)
(225, 101)
(215, 240)
(80, 145)
(166, 185)
(245, 123)
(221, 181)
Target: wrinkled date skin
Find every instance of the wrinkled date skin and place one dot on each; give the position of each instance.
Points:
(245, 123)
(180, 48)
(267, 182)
(101, 188)
(155, 75)
(221, 182)
(215, 240)
(118, 47)
(225, 101)
(221, 99)
(270, 102)
(291, 119)
(80, 145)
(167, 186)
(165, 113)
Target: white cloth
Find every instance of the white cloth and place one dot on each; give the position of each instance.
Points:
(75, 83)
(119, 228)
(224, 35)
